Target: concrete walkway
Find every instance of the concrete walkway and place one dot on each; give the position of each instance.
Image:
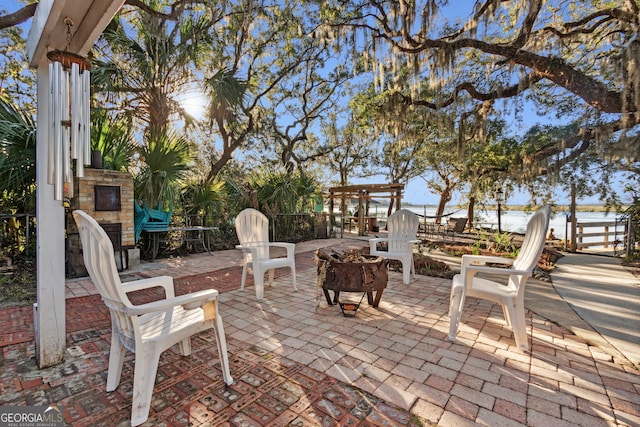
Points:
(605, 296)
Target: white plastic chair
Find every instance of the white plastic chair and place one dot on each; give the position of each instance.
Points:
(402, 228)
(146, 329)
(511, 296)
(252, 227)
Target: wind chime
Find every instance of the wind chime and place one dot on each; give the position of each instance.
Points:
(69, 114)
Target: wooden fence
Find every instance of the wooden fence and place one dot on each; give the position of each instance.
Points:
(610, 234)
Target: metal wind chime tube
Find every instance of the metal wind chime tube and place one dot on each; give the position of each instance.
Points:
(86, 112)
(69, 113)
(50, 126)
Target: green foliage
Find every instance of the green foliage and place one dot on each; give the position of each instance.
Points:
(477, 245)
(201, 197)
(113, 137)
(18, 287)
(504, 243)
(18, 159)
(17, 80)
(406, 133)
(349, 148)
(167, 158)
(145, 61)
(227, 93)
(281, 192)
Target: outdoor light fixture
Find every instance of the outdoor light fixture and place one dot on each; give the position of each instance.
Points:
(68, 120)
(499, 198)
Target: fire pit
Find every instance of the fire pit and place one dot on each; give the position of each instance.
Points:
(351, 271)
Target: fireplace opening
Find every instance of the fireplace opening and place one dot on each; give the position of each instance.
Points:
(114, 231)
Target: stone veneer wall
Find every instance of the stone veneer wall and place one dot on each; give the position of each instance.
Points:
(84, 198)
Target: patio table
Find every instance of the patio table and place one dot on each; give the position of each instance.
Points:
(193, 234)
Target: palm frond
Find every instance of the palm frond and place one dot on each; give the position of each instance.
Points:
(17, 150)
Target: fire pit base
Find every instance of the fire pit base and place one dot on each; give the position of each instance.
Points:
(350, 273)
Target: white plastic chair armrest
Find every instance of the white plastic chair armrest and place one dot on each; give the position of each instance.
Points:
(290, 247)
(415, 241)
(252, 246)
(165, 282)
(373, 243)
(470, 271)
(188, 301)
(378, 240)
(283, 244)
(496, 270)
(468, 260)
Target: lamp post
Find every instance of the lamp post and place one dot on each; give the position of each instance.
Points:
(499, 199)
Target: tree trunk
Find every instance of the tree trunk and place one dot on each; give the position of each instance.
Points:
(470, 211)
(445, 197)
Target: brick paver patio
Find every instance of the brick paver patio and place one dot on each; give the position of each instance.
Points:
(297, 361)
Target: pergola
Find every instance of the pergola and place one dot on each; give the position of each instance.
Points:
(364, 193)
(50, 32)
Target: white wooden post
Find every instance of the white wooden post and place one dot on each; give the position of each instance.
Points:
(49, 310)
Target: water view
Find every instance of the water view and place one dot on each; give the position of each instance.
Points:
(516, 220)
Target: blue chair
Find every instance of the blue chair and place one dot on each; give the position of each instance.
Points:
(139, 218)
(146, 219)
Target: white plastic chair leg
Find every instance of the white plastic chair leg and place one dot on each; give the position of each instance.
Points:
(406, 272)
(519, 327)
(293, 273)
(244, 276)
(258, 280)
(144, 378)
(271, 273)
(185, 347)
(455, 311)
(507, 315)
(116, 360)
(221, 343)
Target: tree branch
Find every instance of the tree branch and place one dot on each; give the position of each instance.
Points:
(18, 17)
(578, 142)
(525, 83)
(27, 12)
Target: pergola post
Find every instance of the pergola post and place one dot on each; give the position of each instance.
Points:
(49, 310)
(50, 30)
(361, 213)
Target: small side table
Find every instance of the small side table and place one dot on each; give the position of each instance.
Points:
(155, 237)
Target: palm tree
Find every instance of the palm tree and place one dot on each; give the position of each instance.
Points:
(167, 158)
(151, 57)
(282, 192)
(112, 137)
(151, 62)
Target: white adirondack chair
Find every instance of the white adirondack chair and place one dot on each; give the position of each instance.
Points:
(402, 228)
(511, 296)
(252, 227)
(146, 329)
